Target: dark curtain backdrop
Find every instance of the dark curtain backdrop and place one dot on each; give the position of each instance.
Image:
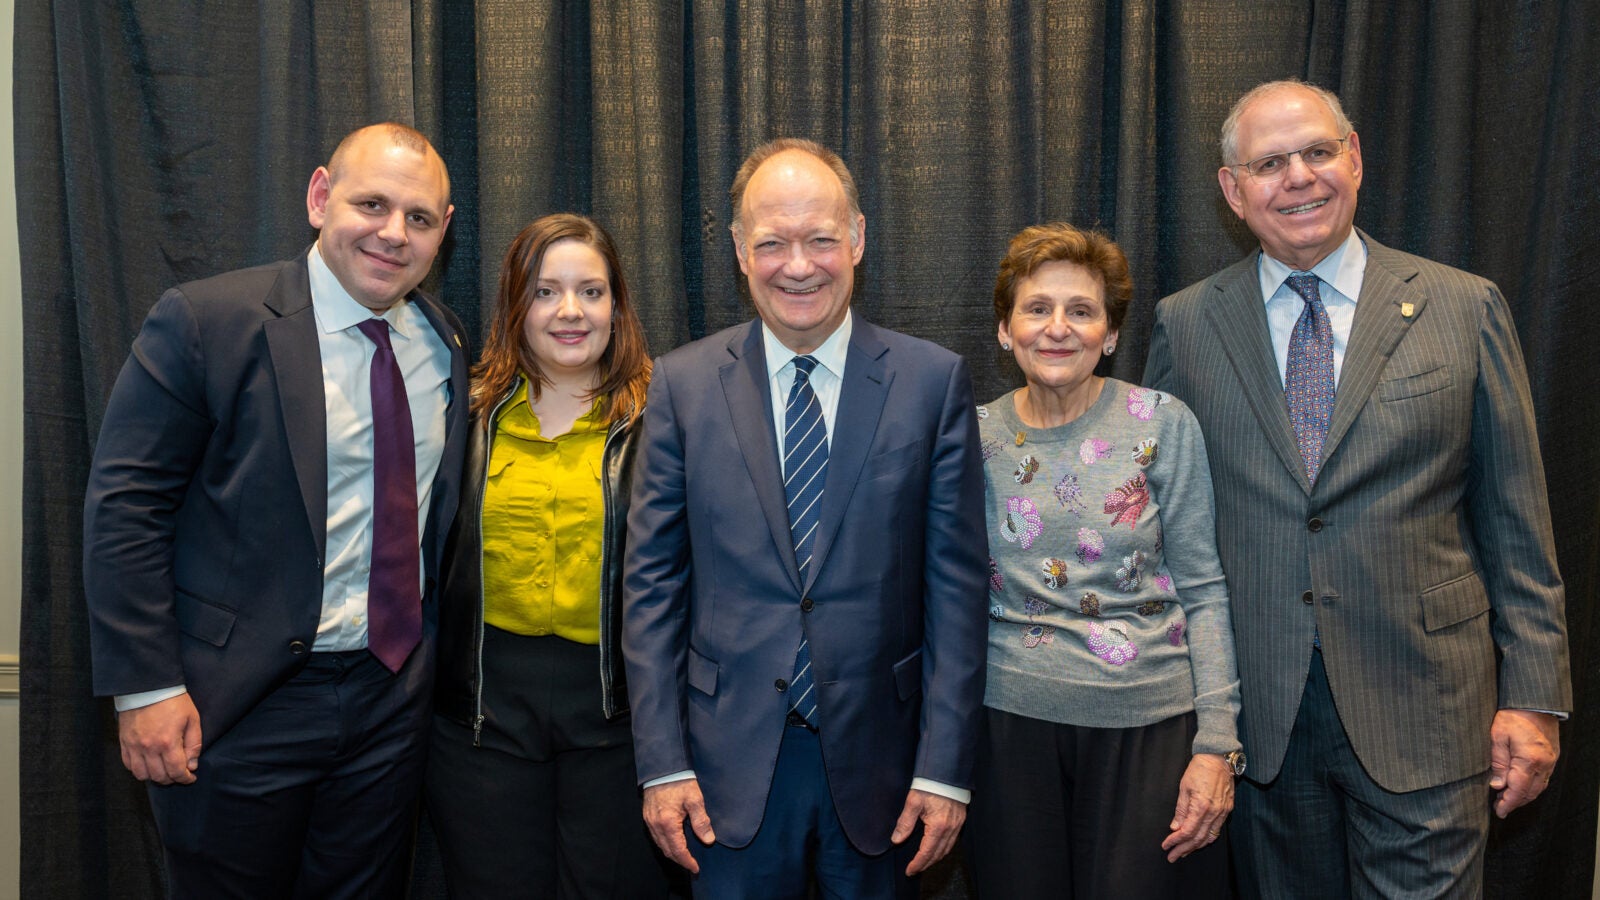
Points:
(162, 141)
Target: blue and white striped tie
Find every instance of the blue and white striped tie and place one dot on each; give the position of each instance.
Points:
(805, 464)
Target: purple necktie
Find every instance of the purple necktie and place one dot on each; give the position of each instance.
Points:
(394, 599)
(1308, 381)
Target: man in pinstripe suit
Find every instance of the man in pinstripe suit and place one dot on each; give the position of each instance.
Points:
(1382, 548)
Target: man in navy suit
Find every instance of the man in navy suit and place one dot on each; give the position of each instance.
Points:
(805, 685)
(237, 541)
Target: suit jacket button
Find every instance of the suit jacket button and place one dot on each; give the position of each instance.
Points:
(781, 685)
(806, 604)
(1315, 524)
(297, 647)
(1306, 598)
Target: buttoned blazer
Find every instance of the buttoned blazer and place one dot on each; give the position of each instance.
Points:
(1424, 548)
(205, 516)
(893, 603)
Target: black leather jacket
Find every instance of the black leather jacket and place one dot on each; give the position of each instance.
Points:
(458, 692)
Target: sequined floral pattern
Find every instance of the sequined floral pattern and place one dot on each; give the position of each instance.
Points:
(1175, 632)
(997, 581)
(1069, 494)
(1035, 634)
(1090, 545)
(1089, 604)
(1130, 572)
(1026, 469)
(1145, 453)
(1092, 450)
(1055, 573)
(1142, 403)
(1110, 642)
(1125, 502)
(1021, 524)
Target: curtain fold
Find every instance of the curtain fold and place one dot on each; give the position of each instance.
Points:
(158, 142)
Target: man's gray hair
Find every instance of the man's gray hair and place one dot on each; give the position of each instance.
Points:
(1230, 125)
(772, 148)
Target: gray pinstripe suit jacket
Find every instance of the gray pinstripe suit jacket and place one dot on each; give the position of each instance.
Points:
(1425, 544)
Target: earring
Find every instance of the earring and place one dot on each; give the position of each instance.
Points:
(1111, 347)
(1005, 345)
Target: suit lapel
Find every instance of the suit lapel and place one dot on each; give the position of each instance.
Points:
(744, 384)
(445, 482)
(855, 424)
(297, 368)
(1378, 327)
(1239, 318)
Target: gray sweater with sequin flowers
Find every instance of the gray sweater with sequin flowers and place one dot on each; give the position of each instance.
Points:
(1107, 603)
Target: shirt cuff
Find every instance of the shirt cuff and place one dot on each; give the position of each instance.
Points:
(685, 775)
(960, 795)
(1560, 716)
(126, 702)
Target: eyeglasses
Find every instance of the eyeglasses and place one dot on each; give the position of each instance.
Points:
(1316, 156)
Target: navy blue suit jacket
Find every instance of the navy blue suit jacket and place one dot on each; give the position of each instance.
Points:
(205, 519)
(713, 597)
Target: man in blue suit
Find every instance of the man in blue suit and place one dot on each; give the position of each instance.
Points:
(263, 523)
(804, 586)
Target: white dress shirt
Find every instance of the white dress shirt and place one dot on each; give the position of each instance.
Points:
(1339, 278)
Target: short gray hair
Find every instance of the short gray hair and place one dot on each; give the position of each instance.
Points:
(761, 154)
(1230, 125)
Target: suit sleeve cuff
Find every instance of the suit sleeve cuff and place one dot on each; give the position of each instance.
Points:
(960, 795)
(1560, 716)
(125, 702)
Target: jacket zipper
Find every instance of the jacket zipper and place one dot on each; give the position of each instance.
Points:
(483, 490)
(606, 552)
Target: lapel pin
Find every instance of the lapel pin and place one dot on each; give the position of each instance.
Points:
(1406, 310)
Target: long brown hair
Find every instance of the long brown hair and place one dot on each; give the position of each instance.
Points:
(624, 366)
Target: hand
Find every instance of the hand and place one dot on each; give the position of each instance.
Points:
(941, 822)
(161, 742)
(666, 806)
(1205, 797)
(1523, 747)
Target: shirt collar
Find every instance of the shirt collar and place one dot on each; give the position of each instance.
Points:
(830, 354)
(337, 311)
(1343, 269)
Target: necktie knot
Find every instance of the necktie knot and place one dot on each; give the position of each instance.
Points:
(1305, 284)
(803, 366)
(377, 330)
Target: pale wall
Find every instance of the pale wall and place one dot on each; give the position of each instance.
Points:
(11, 481)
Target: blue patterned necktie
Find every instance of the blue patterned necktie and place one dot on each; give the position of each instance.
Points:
(805, 463)
(1308, 381)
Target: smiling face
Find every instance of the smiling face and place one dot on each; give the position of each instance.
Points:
(796, 248)
(382, 216)
(1308, 213)
(568, 325)
(1058, 328)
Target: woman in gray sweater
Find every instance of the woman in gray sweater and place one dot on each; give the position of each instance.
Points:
(1110, 746)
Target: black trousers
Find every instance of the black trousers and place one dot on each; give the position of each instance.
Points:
(1064, 811)
(547, 805)
(312, 794)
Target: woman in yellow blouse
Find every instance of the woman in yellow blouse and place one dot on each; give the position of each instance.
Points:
(530, 779)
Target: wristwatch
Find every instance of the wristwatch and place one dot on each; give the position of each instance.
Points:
(1235, 760)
